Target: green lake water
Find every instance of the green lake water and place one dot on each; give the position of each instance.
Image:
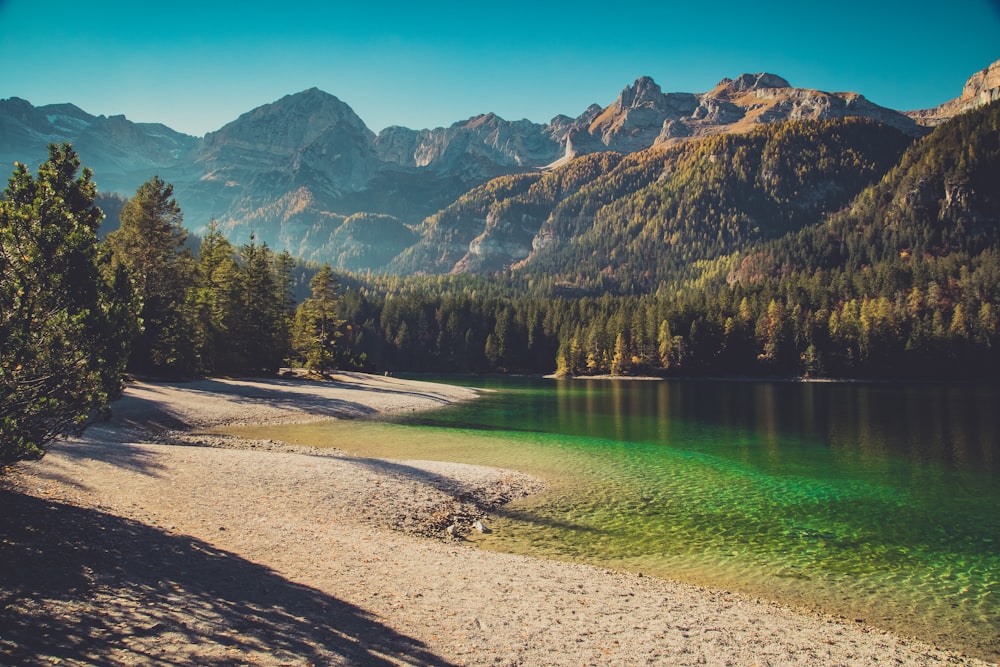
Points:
(878, 502)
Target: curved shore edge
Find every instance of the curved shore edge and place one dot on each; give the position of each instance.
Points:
(130, 546)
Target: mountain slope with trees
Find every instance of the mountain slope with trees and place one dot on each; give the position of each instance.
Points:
(637, 219)
(903, 281)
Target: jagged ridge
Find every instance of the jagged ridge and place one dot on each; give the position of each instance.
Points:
(254, 174)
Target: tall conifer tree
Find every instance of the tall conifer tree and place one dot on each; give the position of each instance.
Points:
(317, 326)
(150, 244)
(64, 329)
(215, 302)
(262, 336)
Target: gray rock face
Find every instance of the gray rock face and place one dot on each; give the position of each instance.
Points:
(981, 88)
(715, 111)
(488, 140)
(505, 240)
(281, 127)
(311, 132)
(636, 119)
(755, 82)
(643, 115)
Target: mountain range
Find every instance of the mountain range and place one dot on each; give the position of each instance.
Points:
(306, 174)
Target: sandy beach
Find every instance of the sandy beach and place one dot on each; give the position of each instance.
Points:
(147, 542)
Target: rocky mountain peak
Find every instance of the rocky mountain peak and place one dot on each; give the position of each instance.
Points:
(644, 93)
(481, 146)
(747, 82)
(293, 121)
(18, 109)
(484, 120)
(15, 103)
(591, 112)
(65, 118)
(981, 88)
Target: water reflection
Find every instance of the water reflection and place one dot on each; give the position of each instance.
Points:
(956, 427)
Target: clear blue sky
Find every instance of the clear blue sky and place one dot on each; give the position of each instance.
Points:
(196, 65)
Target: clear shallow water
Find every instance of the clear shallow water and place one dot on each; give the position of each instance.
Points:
(879, 502)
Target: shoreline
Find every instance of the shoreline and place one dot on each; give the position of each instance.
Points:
(347, 534)
(777, 379)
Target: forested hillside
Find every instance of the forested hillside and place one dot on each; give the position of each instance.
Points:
(902, 280)
(702, 200)
(636, 220)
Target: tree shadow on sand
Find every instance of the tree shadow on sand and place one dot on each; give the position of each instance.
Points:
(288, 394)
(147, 408)
(84, 587)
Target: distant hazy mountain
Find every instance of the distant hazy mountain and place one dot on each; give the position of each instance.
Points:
(122, 153)
(305, 173)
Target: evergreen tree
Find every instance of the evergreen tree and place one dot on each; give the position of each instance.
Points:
(150, 245)
(64, 328)
(317, 326)
(215, 303)
(284, 272)
(620, 363)
(664, 344)
(262, 336)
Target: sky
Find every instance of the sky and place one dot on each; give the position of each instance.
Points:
(196, 65)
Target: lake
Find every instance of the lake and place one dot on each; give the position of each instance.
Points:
(878, 502)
